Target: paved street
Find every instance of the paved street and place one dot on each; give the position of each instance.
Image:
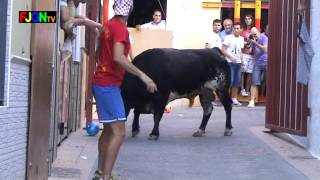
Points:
(179, 156)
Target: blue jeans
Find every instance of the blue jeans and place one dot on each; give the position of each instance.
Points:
(257, 72)
(235, 69)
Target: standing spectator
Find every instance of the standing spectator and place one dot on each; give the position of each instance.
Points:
(248, 19)
(260, 48)
(231, 48)
(214, 39)
(227, 25)
(247, 57)
(112, 63)
(157, 22)
(247, 67)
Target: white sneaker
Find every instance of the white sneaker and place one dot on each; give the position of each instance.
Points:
(251, 104)
(236, 102)
(244, 93)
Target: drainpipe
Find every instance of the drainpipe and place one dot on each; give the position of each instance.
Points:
(258, 14)
(105, 10)
(237, 11)
(314, 83)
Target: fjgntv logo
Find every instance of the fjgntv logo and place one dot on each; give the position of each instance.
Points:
(37, 16)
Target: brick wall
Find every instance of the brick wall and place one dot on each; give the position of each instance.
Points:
(14, 117)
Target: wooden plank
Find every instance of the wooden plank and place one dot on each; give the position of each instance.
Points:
(42, 47)
(92, 7)
(83, 84)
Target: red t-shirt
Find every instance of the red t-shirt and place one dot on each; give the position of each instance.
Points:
(246, 32)
(108, 72)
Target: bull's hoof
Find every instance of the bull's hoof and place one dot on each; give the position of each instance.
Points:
(227, 132)
(199, 133)
(135, 133)
(153, 137)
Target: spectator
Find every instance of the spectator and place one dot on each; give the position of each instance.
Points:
(260, 49)
(157, 22)
(214, 39)
(246, 69)
(227, 25)
(231, 48)
(248, 19)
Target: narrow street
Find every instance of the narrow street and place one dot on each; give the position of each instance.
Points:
(246, 155)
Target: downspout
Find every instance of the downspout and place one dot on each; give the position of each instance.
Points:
(314, 84)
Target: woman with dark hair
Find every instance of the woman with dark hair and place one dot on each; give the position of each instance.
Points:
(249, 23)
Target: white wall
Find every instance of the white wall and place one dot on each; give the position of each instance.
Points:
(190, 22)
(314, 88)
(14, 116)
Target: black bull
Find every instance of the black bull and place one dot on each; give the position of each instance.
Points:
(178, 74)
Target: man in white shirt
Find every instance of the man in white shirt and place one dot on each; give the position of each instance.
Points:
(214, 39)
(231, 48)
(157, 22)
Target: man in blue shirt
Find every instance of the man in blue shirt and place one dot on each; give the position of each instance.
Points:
(227, 25)
(260, 48)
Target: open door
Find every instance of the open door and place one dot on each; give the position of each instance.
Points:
(286, 98)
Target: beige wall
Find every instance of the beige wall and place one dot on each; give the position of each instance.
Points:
(21, 33)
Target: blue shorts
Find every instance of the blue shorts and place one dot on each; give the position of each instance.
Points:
(235, 69)
(257, 73)
(109, 103)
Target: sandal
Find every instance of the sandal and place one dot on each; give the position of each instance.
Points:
(97, 175)
(112, 178)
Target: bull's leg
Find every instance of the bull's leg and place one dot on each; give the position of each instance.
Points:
(206, 97)
(227, 104)
(159, 107)
(154, 135)
(135, 124)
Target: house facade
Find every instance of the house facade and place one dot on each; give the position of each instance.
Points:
(188, 20)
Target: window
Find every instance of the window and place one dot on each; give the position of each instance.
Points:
(143, 10)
